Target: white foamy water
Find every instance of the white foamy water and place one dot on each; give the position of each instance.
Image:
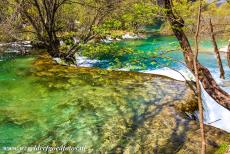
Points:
(181, 74)
(80, 61)
(86, 62)
(214, 114)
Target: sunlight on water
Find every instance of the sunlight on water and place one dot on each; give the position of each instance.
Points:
(103, 110)
(206, 57)
(46, 104)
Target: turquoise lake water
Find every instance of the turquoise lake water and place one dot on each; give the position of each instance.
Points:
(168, 43)
(45, 104)
(48, 104)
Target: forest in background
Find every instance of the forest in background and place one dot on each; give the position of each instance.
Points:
(85, 23)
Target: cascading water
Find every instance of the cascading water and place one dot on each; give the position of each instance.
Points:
(214, 114)
(97, 108)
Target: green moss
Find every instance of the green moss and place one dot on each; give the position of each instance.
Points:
(104, 110)
(223, 148)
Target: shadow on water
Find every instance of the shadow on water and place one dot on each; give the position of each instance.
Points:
(137, 121)
(105, 111)
(135, 98)
(172, 144)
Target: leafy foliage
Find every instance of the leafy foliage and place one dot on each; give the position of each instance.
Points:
(104, 51)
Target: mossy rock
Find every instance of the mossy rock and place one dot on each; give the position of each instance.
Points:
(188, 104)
(156, 124)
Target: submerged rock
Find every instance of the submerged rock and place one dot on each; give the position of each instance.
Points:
(122, 112)
(103, 110)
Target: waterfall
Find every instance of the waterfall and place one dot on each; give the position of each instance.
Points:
(214, 114)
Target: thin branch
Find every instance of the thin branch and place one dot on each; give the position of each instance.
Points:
(198, 86)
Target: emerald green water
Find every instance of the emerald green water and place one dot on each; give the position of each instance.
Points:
(160, 44)
(51, 105)
(46, 104)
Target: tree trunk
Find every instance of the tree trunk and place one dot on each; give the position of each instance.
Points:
(53, 48)
(209, 84)
(228, 54)
(216, 50)
(198, 86)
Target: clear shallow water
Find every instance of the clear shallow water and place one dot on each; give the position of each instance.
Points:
(46, 104)
(206, 57)
(141, 61)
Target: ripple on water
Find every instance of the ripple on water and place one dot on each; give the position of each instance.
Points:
(106, 111)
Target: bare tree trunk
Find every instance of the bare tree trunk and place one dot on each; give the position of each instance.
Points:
(209, 84)
(198, 87)
(216, 50)
(228, 54)
(44, 22)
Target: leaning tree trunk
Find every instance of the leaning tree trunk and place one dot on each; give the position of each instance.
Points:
(209, 84)
(228, 54)
(216, 50)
